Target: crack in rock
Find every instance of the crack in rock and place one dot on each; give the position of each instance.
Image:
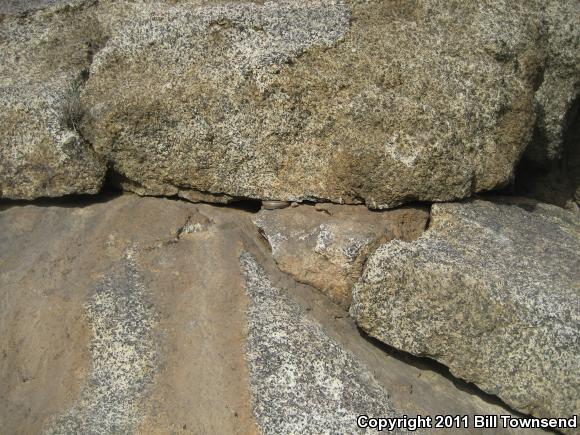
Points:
(301, 380)
(124, 357)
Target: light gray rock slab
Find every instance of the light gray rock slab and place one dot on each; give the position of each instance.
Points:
(492, 290)
(302, 381)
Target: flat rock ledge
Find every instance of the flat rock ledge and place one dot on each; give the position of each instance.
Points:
(491, 290)
(133, 316)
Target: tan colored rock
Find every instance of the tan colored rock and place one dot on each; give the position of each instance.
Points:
(326, 245)
(137, 316)
(491, 290)
(332, 100)
(325, 99)
(44, 58)
(104, 309)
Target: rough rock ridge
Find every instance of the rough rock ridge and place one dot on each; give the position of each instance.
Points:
(491, 290)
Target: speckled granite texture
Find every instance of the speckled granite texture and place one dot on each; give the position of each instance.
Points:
(491, 290)
(124, 357)
(302, 381)
(357, 102)
(326, 245)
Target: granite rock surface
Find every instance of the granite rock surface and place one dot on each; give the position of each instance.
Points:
(44, 58)
(353, 102)
(302, 380)
(492, 291)
(134, 315)
(326, 245)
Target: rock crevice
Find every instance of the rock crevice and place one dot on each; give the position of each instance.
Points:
(490, 290)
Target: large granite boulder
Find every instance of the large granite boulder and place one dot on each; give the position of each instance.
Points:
(44, 58)
(358, 102)
(491, 290)
(326, 245)
(558, 97)
(327, 99)
(550, 167)
(146, 315)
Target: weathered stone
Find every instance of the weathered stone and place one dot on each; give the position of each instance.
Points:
(21, 6)
(491, 290)
(549, 171)
(124, 348)
(104, 310)
(133, 316)
(302, 381)
(324, 99)
(340, 100)
(42, 58)
(326, 245)
(558, 95)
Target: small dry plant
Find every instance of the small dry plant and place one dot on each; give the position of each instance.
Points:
(71, 110)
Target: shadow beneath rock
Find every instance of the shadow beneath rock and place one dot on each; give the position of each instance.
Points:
(429, 364)
(249, 205)
(67, 201)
